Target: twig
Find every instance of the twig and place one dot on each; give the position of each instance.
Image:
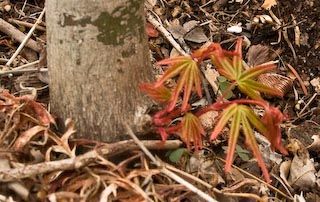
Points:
(26, 24)
(308, 103)
(167, 172)
(205, 84)
(12, 174)
(16, 34)
(242, 195)
(23, 43)
(27, 65)
(21, 71)
(295, 73)
(286, 38)
(165, 33)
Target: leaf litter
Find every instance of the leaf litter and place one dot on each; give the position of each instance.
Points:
(29, 136)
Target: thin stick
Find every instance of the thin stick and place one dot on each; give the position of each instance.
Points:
(26, 65)
(21, 71)
(308, 103)
(242, 195)
(164, 170)
(165, 33)
(26, 38)
(17, 35)
(295, 73)
(26, 24)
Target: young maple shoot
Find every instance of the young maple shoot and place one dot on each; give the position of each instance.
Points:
(189, 78)
(230, 65)
(176, 119)
(244, 119)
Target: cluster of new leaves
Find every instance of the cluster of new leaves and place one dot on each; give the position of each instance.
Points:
(242, 117)
(230, 65)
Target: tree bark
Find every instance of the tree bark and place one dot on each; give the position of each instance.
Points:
(97, 56)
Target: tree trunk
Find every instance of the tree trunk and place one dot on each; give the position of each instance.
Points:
(97, 56)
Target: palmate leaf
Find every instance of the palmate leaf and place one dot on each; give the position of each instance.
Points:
(189, 78)
(160, 94)
(244, 119)
(192, 130)
(229, 64)
(189, 128)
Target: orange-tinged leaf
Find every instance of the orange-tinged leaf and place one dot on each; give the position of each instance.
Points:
(225, 116)
(233, 137)
(237, 59)
(191, 130)
(252, 143)
(189, 79)
(243, 118)
(26, 137)
(230, 65)
(173, 71)
(272, 120)
(259, 87)
(151, 31)
(177, 90)
(250, 92)
(254, 72)
(174, 60)
(197, 81)
(254, 119)
(160, 94)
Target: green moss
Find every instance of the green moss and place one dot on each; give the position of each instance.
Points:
(123, 22)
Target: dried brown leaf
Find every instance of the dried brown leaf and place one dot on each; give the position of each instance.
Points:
(26, 136)
(267, 4)
(277, 81)
(258, 54)
(63, 142)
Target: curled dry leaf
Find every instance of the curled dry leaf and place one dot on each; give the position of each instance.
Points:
(267, 4)
(277, 81)
(43, 115)
(26, 136)
(284, 173)
(315, 146)
(302, 170)
(302, 173)
(63, 142)
(10, 101)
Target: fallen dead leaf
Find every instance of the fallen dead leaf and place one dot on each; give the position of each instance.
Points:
(284, 173)
(315, 146)
(302, 171)
(258, 54)
(26, 136)
(267, 4)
